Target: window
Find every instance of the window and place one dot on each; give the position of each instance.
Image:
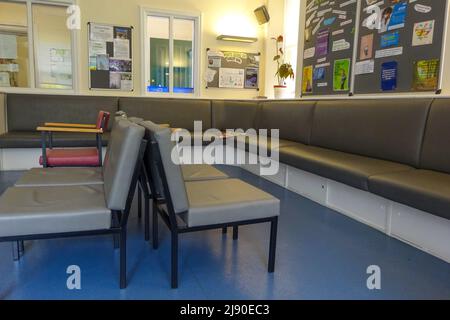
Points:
(35, 53)
(171, 53)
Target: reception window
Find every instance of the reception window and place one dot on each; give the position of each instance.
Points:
(171, 54)
(35, 45)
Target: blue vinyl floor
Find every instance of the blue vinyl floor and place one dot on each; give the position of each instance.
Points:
(321, 255)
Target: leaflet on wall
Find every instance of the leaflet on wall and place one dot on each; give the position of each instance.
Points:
(426, 74)
(231, 78)
(323, 39)
(390, 39)
(389, 72)
(319, 73)
(251, 78)
(366, 49)
(126, 82)
(393, 17)
(121, 49)
(341, 75)
(423, 33)
(101, 33)
(97, 47)
(365, 67)
(307, 85)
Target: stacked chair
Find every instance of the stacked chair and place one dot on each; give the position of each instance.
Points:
(70, 202)
(73, 157)
(197, 205)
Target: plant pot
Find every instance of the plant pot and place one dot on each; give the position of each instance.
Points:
(281, 92)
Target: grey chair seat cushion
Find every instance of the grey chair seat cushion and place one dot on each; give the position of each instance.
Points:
(49, 210)
(343, 167)
(225, 201)
(422, 189)
(200, 172)
(32, 139)
(37, 177)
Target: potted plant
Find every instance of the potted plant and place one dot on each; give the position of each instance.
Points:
(284, 70)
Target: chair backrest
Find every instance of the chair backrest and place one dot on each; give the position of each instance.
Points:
(103, 120)
(120, 162)
(172, 170)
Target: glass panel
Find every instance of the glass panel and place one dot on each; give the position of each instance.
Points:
(14, 46)
(158, 30)
(53, 54)
(183, 56)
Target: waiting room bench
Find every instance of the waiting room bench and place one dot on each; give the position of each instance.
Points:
(384, 162)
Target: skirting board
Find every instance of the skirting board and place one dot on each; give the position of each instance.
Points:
(420, 229)
(21, 159)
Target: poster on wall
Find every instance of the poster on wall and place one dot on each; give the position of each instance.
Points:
(426, 75)
(307, 79)
(341, 75)
(110, 57)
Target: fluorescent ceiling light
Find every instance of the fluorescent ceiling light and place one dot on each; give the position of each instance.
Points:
(236, 38)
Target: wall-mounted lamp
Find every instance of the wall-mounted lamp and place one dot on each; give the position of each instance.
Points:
(237, 38)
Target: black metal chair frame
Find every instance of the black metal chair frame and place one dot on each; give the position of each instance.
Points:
(170, 217)
(118, 228)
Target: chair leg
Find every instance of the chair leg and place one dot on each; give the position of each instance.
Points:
(235, 233)
(224, 230)
(116, 240)
(123, 259)
(21, 245)
(273, 244)
(174, 260)
(139, 201)
(155, 225)
(147, 218)
(16, 250)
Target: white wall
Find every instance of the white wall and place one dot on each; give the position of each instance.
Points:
(213, 12)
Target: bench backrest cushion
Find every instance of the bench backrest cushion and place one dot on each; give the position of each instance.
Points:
(25, 112)
(292, 118)
(385, 129)
(178, 113)
(234, 114)
(120, 162)
(436, 145)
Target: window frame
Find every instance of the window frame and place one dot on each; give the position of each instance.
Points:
(32, 75)
(145, 51)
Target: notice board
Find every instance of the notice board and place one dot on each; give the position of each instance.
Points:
(401, 51)
(232, 70)
(328, 43)
(110, 57)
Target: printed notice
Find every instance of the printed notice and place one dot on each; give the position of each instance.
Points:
(389, 52)
(364, 67)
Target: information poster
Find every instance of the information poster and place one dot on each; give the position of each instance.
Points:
(110, 57)
(426, 75)
(341, 75)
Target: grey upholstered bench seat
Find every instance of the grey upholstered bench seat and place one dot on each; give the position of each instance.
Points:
(347, 168)
(226, 201)
(50, 210)
(421, 189)
(32, 139)
(61, 177)
(201, 172)
(260, 144)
